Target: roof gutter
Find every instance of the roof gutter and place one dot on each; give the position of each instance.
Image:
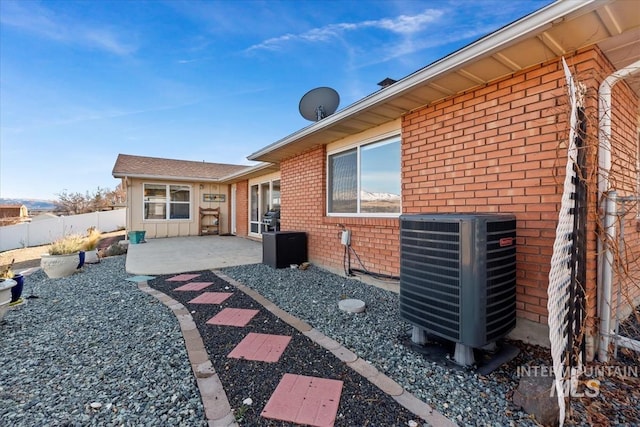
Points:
(166, 177)
(246, 172)
(503, 37)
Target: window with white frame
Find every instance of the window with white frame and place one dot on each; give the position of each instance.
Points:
(365, 180)
(167, 201)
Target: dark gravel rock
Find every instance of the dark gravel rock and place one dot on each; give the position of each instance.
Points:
(380, 336)
(362, 404)
(94, 350)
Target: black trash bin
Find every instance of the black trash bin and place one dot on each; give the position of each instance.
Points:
(280, 249)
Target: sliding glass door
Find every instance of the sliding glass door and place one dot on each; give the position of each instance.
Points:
(262, 198)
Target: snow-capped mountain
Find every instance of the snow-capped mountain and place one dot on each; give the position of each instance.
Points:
(368, 195)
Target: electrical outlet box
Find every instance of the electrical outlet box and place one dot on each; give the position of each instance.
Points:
(345, 238)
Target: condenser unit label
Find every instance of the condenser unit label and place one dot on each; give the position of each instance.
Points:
(506, 241)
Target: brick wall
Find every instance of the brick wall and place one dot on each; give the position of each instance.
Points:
(502, 148)
(375, 240)
(498, 148)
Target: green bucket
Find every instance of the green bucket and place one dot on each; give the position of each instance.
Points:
(136, 237)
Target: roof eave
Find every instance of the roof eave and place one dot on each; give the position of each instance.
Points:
(519, 30)
(250, 172)
(165, 177)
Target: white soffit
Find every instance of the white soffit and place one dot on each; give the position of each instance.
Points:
(558, 29)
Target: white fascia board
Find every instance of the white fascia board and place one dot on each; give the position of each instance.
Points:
(167, 178)
(524, 28)
(249, 170)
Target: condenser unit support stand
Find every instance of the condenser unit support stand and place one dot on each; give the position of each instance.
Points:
(463, 355)
(418, 335)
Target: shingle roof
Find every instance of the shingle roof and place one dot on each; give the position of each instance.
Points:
(154, 167)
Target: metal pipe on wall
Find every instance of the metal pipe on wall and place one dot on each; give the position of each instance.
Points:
(608, 202)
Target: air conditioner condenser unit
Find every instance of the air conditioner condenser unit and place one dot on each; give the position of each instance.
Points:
(458, 277)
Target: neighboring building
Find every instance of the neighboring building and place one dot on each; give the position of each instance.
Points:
(484, 129)
(13, 211)
(13, 214)
(164, 196)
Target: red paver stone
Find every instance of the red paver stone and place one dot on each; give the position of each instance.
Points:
(182, 277)
(233, 317)
(194, 286)
(211, 298)
(305, 400)
(261, 347)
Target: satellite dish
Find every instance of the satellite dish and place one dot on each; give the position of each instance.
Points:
(319, 103)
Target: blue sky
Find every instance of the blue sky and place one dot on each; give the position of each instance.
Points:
(81, 81)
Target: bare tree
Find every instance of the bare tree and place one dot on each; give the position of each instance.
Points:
(117, 196)
(78, 203)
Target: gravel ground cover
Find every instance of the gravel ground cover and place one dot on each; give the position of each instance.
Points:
(618, 402)
(93, 350)
(361, 404)
(380, 336)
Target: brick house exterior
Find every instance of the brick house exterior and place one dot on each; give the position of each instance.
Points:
(497, 145)
(498, 148)
(484, 129)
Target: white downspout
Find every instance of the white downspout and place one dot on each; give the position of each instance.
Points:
(607, 203)
(127, 186)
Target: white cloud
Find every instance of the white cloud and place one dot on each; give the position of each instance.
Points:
(106, 40)
(409, 46)
(404, 25)
(407, 25)
(36, 19)
(32, 18)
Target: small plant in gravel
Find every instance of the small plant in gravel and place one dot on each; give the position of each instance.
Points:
(240, 413)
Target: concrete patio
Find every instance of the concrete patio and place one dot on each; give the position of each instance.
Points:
(182, 254)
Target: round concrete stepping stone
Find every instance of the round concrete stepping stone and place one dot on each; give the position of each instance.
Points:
(352, 305)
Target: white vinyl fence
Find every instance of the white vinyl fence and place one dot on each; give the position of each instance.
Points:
(45, 231)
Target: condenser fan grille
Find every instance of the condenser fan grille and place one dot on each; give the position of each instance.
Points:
(430, 267)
